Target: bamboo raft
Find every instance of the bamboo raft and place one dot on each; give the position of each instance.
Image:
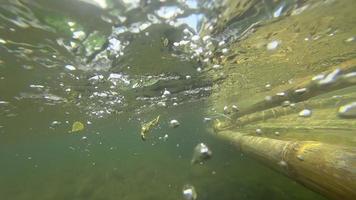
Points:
(305, 149)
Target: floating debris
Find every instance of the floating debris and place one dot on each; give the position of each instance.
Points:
(348, 110)
(146, 128)
(174, 123)
(201, 153)
(77, 126)
(189, 192)
(272, 45)
(305, 113)
(276, 133)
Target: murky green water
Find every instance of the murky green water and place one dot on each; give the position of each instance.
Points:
(113, 163)
(107, 64)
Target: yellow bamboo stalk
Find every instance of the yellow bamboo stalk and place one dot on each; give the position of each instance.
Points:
(324, 168)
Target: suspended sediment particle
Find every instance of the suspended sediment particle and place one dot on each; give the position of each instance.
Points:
(348, 110)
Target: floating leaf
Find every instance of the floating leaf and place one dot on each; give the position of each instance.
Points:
(146, 128)
(77, 126)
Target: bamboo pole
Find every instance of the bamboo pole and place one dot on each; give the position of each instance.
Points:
(312, 89)
(324, 168)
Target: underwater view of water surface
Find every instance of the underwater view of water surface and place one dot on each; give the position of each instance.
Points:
(124, 99)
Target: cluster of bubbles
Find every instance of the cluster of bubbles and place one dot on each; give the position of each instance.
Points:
(202, 49)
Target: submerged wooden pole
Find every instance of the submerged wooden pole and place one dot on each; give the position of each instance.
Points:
(324, 168)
